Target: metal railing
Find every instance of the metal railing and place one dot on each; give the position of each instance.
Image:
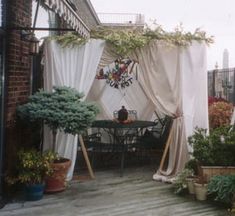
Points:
(221, 84)
(125, 19)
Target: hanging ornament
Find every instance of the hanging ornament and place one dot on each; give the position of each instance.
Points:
(118, 76)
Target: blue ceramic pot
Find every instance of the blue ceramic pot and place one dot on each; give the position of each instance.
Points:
(34, 192)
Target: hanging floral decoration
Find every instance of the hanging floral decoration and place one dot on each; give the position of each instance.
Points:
(120, 75)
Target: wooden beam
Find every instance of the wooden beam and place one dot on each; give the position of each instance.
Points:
(84, 152)
(166, 149)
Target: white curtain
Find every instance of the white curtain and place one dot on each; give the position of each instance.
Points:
(194, 87)
(75, 67)
(174, 79)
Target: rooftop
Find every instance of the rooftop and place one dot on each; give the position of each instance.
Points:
(122, 19)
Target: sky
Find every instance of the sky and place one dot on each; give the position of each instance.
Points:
(216, 17)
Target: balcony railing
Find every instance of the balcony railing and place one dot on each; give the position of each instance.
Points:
(121, 19)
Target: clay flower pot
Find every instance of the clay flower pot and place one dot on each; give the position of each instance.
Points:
(57, 182)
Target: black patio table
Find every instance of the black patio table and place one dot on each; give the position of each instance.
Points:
(121, 132)
(115, 124)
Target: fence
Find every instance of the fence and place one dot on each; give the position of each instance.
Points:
(121, 19)
(221, 83)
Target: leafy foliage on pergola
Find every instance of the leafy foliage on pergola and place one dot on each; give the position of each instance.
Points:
(124, 41)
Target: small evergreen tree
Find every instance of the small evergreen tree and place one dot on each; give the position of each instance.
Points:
(61, 109)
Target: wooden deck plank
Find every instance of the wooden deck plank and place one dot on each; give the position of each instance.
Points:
(134, 194)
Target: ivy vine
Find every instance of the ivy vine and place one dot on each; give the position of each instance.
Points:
(125, 41)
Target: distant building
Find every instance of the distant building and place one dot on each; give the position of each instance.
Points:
(225, 59)
(220, 86)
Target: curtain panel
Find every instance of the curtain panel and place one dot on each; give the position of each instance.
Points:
(75, 67)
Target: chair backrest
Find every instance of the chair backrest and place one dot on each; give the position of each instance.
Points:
(159, 133)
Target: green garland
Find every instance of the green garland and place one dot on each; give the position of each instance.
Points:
(125, 41)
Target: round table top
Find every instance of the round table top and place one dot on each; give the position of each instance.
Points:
(115, 124)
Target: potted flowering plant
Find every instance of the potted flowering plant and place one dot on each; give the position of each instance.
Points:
(31, 170)
(61, 109)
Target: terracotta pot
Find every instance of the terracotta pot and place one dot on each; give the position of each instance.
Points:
(200, 191)
(57, 182)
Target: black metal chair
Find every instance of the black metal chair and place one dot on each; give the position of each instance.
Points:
(154, 139)
(97, 148)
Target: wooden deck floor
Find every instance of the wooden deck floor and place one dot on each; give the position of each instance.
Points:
(134, 194)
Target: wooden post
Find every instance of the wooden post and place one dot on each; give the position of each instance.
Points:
(166, 149)
(84, 152)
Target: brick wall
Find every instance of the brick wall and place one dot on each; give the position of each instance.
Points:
(17, 59)
(18, 63)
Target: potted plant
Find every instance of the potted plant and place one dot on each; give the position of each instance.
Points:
(61, 109)
(180, 182)
(192, 165)
(222, 189)
(214, 152)
(31, 169)
(200, 188)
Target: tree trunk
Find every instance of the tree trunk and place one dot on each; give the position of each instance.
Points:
(53, 140)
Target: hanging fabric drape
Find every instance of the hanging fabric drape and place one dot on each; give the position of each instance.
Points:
(75, 67)
(168, 77)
